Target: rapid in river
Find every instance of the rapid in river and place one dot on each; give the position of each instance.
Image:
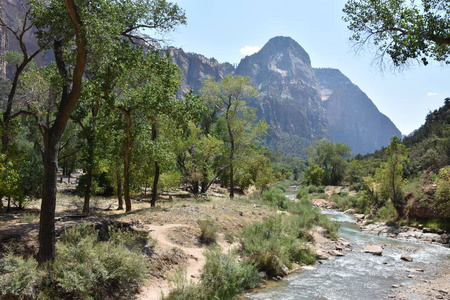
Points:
(360, 275)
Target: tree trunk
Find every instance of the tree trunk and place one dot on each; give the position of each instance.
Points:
(157, 170)
(126, 161)
(89, 176)
(71, 91)
(119, 191)
(47, 237)
(231, 181)
(230, 133)
(155, 185)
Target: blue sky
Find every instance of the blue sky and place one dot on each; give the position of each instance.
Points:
(220, 29)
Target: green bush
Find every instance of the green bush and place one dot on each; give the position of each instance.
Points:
(223, 278)
(84, 268)
(101, 185)
(274, 243)
(208, 231)
(275, 196)
(386, 213)
(19, 277)
(302, 193)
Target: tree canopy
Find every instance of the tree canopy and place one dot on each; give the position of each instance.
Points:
(404, 30)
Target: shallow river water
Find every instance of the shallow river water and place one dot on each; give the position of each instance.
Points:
(360, 275)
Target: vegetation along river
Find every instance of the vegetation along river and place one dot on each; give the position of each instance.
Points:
(360, 275)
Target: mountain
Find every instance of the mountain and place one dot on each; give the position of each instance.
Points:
(289, 95)
(196, 68)
(352, 116)
(301, 104)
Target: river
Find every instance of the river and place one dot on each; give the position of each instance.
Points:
(360, 275)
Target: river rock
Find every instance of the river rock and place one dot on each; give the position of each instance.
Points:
(350, 211)
(336, 253)
(373, 249)
(406, 257)
(284, 270)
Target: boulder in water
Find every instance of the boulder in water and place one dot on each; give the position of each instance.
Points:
(373, 249)
(406, 257)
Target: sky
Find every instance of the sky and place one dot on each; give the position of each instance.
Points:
(230, 30)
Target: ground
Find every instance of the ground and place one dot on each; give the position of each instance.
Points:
(173, 225)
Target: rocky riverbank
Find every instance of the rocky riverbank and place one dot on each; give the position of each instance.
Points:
(424, 235)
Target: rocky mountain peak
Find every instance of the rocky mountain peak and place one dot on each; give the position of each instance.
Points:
(286, 46)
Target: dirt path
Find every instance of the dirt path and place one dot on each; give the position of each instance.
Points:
(195, 262)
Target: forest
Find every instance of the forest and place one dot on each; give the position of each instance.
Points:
(105, 121)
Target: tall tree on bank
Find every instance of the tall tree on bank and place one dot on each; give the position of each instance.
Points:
(74, 29)
(332, 158)
(148, 92)
(402, 29)
(390, 175)
(228, 98)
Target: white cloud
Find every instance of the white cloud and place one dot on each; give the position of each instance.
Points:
(249, 50)
(432, 94)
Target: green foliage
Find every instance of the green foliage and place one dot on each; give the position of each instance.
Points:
(443, 191)
(240, 129)
(9, 179)
(281, 240)
(404, 30)
(390, 176)
(223, 277)
(271, 244)
(314, 175)
(386, 213)
(84, 268)
(101, 185)
(208, 230)
(19, 276)
(331, 158)
(275, 196)
(302, 193)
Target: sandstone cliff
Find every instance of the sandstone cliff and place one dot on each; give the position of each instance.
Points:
(352, 116)
(289, 95)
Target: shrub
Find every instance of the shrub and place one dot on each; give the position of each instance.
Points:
(84, 268)
(223, 278)
(101, 185)
(275, 196)
(386, 213)
(19, 276)
(273, 243)
(208, 231)
(302, 193)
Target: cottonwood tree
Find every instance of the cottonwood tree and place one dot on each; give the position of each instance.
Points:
(332, 158)
(402, 29)
(73, 29)
(228, 98)
(198, 158)
(148, 92)
(390, 175)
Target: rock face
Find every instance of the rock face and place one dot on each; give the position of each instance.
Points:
(352, 116)
(196, 68)
(4, 45)
(289, 94)
(301, 104)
